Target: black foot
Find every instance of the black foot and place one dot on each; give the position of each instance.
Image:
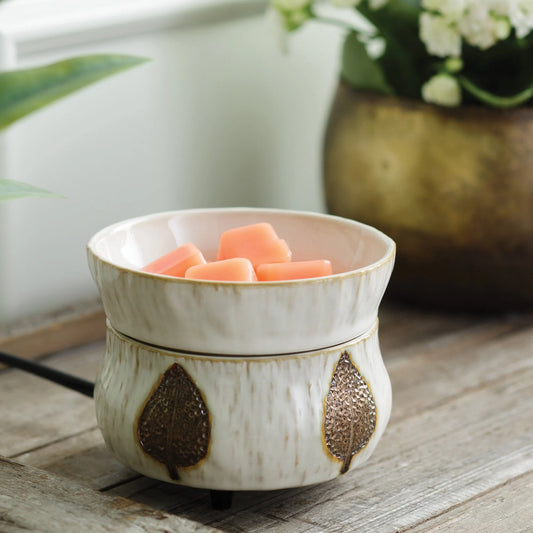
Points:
(221, 499)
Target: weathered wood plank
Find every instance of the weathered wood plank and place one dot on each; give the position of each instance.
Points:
(31, 423)
(506, 508)
(82, 458)
(409, 477)
(423, 466)
(34, 500)
(402, 328)
(36, 412)
(456, 388)
(45, 334)
(27, 428)
(195, 505)
(463, 371)
(466, 331)
(444, 367)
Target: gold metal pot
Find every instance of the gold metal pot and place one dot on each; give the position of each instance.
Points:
(452, 187)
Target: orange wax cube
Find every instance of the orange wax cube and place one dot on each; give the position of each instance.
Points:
(294, 270)
(177, 262)
(236, 269)
(258, 242)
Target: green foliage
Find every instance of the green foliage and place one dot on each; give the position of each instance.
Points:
(292, 18)
(484, 59)
(9, 190)
(359, 70)
(24, 91)
(404, 62)
(501, 77)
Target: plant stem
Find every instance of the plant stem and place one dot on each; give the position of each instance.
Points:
(503, 102)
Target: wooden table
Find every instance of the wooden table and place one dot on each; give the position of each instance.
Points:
(457, 454)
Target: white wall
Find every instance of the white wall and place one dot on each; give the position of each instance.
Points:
(219, 118)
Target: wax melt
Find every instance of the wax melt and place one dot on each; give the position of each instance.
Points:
(236, 269)
(294, 270)
(246, 253)
(257, 242)
(177, 262)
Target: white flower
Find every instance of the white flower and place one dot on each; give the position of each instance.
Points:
(521, 16)
(440, 37)
(481, 28)
(502, 28)
(451, 9)
(481, 23)
(442, 89)
(500, 7)
(376, 47)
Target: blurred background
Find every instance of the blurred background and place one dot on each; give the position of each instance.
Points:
(219, 117)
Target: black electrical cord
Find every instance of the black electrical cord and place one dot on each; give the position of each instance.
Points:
(220, 499)
(67, 380)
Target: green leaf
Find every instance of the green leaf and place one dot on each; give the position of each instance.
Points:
(25, 91)
(410, 4)
(405, 61)
(494, 100)
(359, 70)
(9, 190)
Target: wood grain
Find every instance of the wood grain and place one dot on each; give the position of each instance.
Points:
(457, 455)
(83, 458)
(45, 334)
(509, 503)
(424, 466)
(36, 412)
(51, 504)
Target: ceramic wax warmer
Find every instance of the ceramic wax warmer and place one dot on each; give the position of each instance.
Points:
(242, 386)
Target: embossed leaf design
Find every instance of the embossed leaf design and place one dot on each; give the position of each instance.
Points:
(174, 425)
(350, 417)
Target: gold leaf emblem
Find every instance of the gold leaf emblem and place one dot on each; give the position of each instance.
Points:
(350, 414)
(174, 426)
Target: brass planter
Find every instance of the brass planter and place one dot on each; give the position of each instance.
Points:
(452, 187)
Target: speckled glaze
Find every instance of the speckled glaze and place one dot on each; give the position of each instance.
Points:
(241, 318)
(270, 418)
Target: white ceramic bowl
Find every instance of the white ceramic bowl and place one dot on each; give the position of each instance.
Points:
(242, 423)
(241, 318)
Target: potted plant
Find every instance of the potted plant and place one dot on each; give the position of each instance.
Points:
(430, 138)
